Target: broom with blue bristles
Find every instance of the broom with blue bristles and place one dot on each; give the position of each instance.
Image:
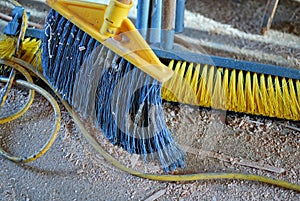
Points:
(126, 103)
(104, 87)
(95, 89)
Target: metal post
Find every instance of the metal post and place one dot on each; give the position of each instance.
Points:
(155, 16)
(143, 16)
(179, 21)
(168, 24)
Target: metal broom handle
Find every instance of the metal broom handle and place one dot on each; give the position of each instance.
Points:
(168, 24)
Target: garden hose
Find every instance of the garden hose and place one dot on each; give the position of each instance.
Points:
(29, 100)
(178, 178)
(7, 88)
(13, 61)
(7, 51)
(157, 177)
(51, 140)
(29, 56)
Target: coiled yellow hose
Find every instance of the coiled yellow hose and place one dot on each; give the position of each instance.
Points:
(9, 46)
(51, 140)
(188, 177)
(205, 88)
(29, 101)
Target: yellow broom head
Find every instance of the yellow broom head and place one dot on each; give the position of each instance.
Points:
(30, 48)
(233, 90)
(204, 85)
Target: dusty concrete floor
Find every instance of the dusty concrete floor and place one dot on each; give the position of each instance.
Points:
(72, 170)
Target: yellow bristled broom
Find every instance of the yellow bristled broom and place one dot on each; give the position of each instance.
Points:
(204, 85)
(196, 85)
(207, 85)
(234, 90)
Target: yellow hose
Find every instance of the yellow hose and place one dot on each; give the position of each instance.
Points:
(188, 177)
(51, 140)
(9, 46)
(7, 88)
(185, 177)
(205, 92)
(30, 96)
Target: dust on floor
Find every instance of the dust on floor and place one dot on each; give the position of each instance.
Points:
(73, 170)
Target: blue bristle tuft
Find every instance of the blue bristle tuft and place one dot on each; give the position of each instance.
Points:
(124, 102)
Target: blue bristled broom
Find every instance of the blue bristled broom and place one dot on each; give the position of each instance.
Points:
(102, 86)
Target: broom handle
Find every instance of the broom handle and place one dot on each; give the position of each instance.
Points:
(179, 19)
(155, 20)
(168, 24)
(169, 8)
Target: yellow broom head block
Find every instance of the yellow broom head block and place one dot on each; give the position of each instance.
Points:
(111, 27)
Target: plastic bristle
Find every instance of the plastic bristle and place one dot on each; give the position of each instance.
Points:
(201, 92)
(31, 50)
(217, 99)
(257, 99)
(195, 78)
(279, 111)
(271, 96)
(286, 99)
(189, 72)
(183, 90)
(7, 46)
(241, 102)
(225, 88)
(232, 101)
(263, 107)
(294, 102)
(210, 86)
(246, 92)
(105, 89)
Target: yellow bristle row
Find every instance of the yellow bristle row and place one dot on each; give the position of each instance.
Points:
(204, 85)
(233, 90)
(31, 51)
(7, 46)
